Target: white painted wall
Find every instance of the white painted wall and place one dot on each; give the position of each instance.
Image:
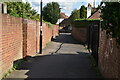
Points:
(88, 11)
(59, 21)
(5, 8)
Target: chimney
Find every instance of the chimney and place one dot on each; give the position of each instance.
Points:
(89, 8)
(94, 3)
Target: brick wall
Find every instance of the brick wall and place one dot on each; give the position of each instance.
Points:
(30, 37)
(38, 37)
(48, 33)
(109, 53)
(10, 41)
(31, 34)
(20, 38)
(80, 34)
(0, 45)
(55, 31)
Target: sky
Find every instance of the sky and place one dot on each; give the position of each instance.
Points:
(67, 6)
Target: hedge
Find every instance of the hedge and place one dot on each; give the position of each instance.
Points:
(84, 22)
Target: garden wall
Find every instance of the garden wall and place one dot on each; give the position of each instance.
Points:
(10, 41)
(49, 32)
(20, 38)
(30, 37)
(80, 34)
(109, 53)
(104, 49)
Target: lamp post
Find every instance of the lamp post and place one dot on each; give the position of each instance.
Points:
(41, 27)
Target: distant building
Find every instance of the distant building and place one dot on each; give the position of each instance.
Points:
(95, 15)
(62, 17)
(65, 22)
(3, 8)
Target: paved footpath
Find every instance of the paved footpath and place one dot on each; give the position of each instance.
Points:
(62, 58)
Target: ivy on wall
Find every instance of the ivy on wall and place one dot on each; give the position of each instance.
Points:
(111, 19)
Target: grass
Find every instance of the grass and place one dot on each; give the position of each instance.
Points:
(85, 47)
(17, 64)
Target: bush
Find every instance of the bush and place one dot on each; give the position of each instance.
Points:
(83, 22)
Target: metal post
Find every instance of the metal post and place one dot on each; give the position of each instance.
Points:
(59, 19)
(41, 28)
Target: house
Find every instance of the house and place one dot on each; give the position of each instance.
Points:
(66, 20)
(95, 15)
(62, 17)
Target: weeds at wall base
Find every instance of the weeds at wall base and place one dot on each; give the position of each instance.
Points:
(15, 66)
(85, 47)
(94, 65)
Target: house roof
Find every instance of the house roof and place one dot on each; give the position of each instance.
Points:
(96, 15)
(64, 16)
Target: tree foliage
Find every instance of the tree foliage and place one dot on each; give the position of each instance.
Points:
(51, 12)
(79, 14)
(83, 12)
(111, 19)
(20, 9)
(75, 15)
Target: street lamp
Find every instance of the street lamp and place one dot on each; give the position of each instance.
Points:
(41, 27)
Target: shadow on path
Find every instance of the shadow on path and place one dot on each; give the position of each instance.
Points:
(66, 38)
(69, 59)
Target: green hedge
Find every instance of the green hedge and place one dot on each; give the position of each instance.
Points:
(83, 22)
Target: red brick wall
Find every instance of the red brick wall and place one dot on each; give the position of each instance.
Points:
(109, 53)
(55, 30)
(10, 41)
(48, 33)
(38, 37)
(31, 33)
(30, 28)
(80, 34)
(20, 38)
(0, 45)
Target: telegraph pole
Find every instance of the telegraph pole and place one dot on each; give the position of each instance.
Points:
(41, 27)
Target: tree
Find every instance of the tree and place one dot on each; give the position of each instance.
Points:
(20, 9)
(51, 12)
(83, 12)
(75, 15)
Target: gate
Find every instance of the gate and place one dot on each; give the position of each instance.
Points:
(93, 39)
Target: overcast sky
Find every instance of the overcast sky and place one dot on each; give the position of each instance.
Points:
(66, 5)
